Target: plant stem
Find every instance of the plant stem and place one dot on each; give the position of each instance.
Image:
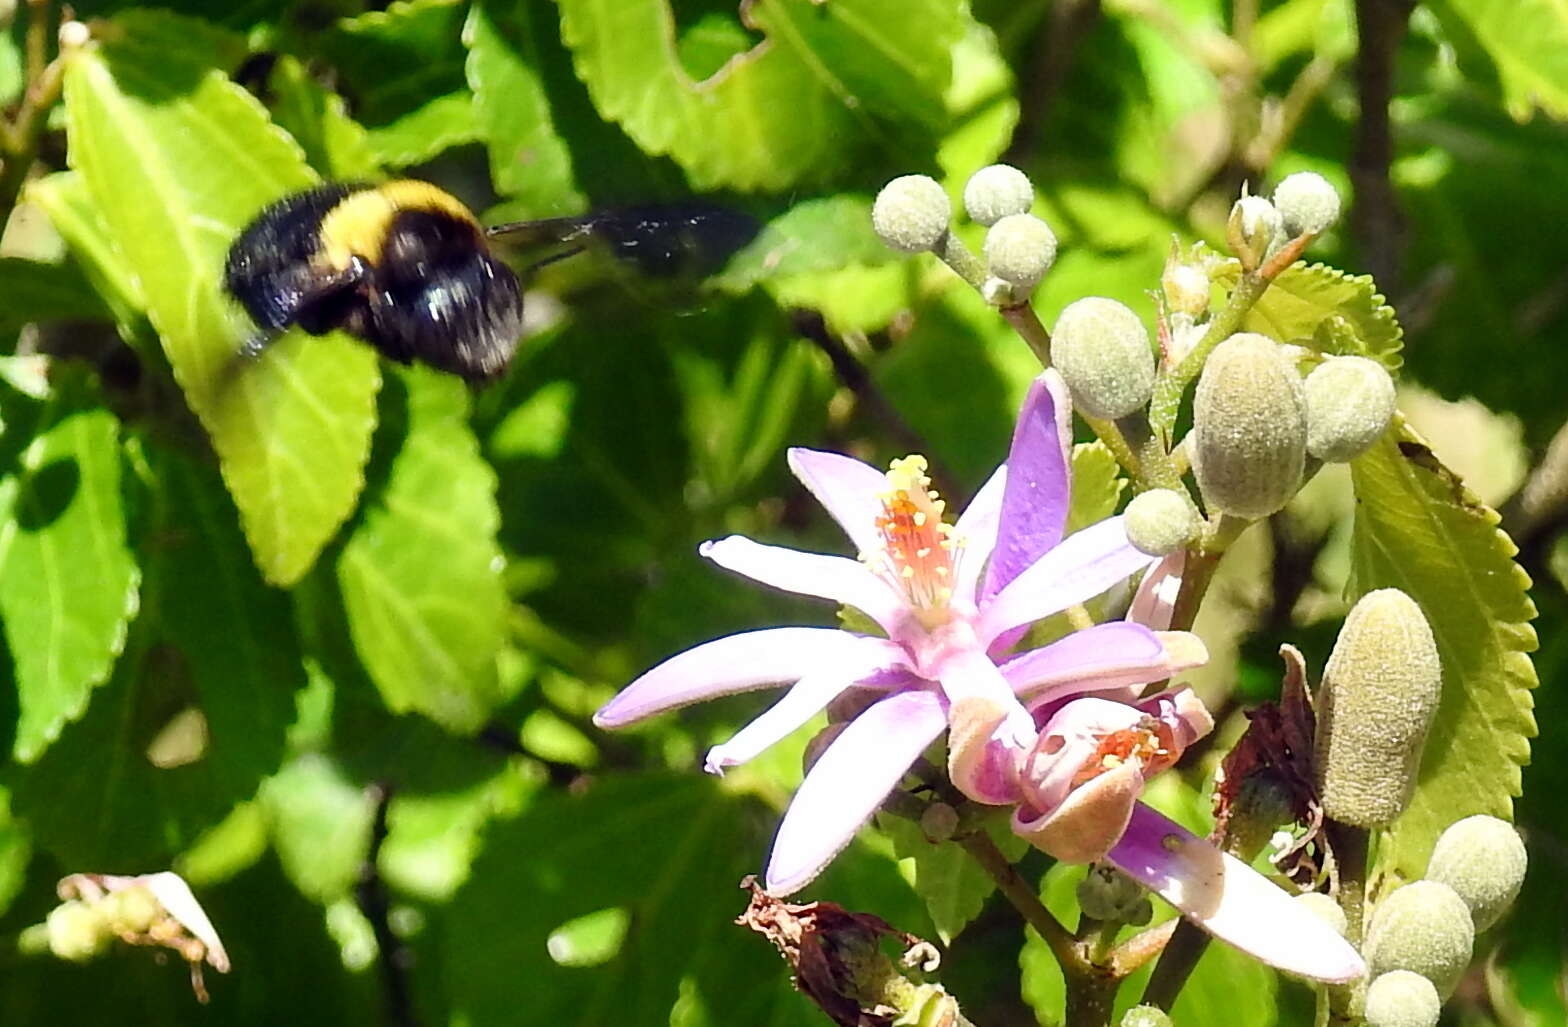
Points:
(1017, 891)
(1349, 845)
(19, 140)
(1027, 324)
(1176, 964)
(1168, 388)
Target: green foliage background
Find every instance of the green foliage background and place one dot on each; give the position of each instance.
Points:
(236, 594)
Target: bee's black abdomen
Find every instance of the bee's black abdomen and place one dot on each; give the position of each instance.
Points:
(268, 266)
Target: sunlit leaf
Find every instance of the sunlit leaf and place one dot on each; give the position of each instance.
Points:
(1528, 42)
(335, 145)
(949, 881)
(177, 159)
(1419, 529)
(1304, 296)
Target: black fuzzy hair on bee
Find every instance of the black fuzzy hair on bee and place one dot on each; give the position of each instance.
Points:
(402, 265)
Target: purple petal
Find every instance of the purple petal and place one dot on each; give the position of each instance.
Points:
(849, 490)
(838, 578)
(1034, 505)
(802, 702)
(982, 768)
(970, 674)
(848, 783)
(1088, 821)
(738, 663)
(1112, 655)
(1232, 901)
(976, 533)
(1155, 600)
(1085, 564)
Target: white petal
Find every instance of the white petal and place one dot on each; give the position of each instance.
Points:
(1085, 564)
(976, 530)
(849, 490)
(837, 578)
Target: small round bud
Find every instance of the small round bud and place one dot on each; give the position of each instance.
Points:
(1424, 927)
(1161, 521)
(1146, 1016)
(994, 192)
(131, 910)
(1483, 860)
(1380, 688)
(73, 35)
(1401, 998)
(1254, 229)
(1019, 249)
(1306, 203)
(77, 931)
(1350, 401)
(1106, 893)
(1102, 350)
(1186, 289)
(938, 821)
(912, 213)
(1325, 909)
(1249, 427)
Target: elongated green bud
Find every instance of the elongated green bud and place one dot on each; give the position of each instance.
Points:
(1483, 860)
(1161, 521)
(1306, 202)
(912, 213)
(994, 192)
(1249, 427)
(1019, 249)
(1350, 401)
(1102, 350)
(1401, 998)
(1380, 689)
(1424, 927)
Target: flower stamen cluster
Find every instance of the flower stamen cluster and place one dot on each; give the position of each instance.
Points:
(918, 547)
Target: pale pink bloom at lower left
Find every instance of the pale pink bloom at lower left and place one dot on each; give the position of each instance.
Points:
(951, 599)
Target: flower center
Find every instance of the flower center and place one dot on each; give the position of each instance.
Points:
(1150, 742)
(918, 547)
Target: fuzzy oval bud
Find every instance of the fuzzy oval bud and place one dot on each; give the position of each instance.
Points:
(1106, 893)
(77, 931)
(1146, 1016)
(994, 192)
(1401, 998)
(1161, 521)
(1019, 249)
(1350, 401)
(1424, 927)
(1483, 860)
(1249, 427)
(1306, 203)
(912, 213)
(1380, 689)
(1102, 349)
(1186, 288)
(1254, 228)
(1325, 909)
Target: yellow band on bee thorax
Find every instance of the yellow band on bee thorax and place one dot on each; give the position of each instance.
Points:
(357, 227)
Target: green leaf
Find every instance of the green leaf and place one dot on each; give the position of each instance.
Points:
(1304, 296)
(828, 84)
(68, 581)
(38, 291)
(404, 68)
(1419, 529)
(320, 825)
(528, 160)
(1097, 485)
(211, 638)
(16, 848)
(1528, 42)
(64, 197)
(668, 853)
(336, 145)
(421, 573)
(178, 158)
(949, 881)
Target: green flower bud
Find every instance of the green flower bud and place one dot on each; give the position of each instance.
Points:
(994, 192)
(912, 213)
(1249, 427)
(1306, 203)
(1254, 229)
(938, 821)
(131, 910)
(1425, 927)
(1186, 288)
(1019, 249)
(1106, 893)
(1350, 401)
(1483, 860)
(1161, 521)
(1380, 689)
(77, 931)
(1401, 998)
(1325, 909)
(1146, 1016)
(1102, 350)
